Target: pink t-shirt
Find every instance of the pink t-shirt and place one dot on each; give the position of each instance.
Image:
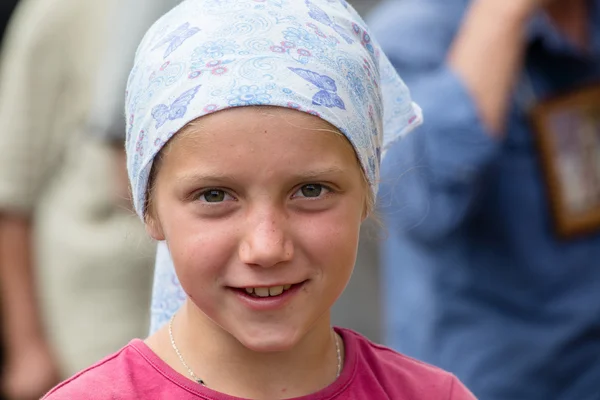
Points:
(370, 372)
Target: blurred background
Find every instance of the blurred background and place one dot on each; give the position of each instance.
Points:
(477, 268)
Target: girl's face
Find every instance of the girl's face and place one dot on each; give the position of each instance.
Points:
(261, 209)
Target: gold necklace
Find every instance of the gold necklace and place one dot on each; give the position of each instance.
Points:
(200, 381)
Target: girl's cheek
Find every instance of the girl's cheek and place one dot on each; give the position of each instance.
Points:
(204, 253)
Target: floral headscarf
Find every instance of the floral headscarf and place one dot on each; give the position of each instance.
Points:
(316, 56)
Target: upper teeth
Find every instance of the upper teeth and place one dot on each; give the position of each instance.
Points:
(268, 291)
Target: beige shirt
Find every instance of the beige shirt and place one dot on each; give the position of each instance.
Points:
(92, 257)
(51, 48)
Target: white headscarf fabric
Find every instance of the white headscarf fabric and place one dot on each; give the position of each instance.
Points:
(316, 56)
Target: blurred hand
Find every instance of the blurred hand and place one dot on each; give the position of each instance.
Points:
(523, 8)
(539, 3)
(29, 374)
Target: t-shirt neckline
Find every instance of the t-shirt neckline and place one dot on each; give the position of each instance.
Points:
(203, 392)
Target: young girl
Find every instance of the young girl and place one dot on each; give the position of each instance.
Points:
(254, 139)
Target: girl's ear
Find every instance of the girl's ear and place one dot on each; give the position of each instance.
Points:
(154, 228)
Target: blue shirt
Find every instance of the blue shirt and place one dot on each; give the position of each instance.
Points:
(475, 279)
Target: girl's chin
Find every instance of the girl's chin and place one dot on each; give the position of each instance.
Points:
(269, 340)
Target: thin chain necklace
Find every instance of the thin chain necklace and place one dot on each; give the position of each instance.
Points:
(200, 381)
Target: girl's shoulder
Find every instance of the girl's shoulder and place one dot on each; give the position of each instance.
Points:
(111, 378)
(380, 368)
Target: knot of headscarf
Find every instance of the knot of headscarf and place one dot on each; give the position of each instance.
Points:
(316, 56)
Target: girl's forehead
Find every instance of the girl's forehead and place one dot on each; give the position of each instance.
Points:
(245, 125)
(259, 115)
(259, 136)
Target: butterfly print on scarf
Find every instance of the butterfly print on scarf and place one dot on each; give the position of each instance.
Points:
(327, 96)
(162, 113)
(176, 38)
(321, 16)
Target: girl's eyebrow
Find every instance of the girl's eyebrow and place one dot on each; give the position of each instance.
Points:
(319, 172)
(192, 177)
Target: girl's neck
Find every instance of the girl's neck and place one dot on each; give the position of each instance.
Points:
(226, 366)
(571, 17)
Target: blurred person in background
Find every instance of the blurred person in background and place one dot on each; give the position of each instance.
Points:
(479, 276)
(75, 266)
(6, 9)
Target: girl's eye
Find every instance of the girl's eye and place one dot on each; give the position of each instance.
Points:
(214, 196)
(312, 190)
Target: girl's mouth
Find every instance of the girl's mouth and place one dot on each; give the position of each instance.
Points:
(272, 291)
(264, 298)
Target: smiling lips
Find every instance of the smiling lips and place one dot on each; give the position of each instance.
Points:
(272, 291)
(268, 298)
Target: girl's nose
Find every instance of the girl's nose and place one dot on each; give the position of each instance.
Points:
(265, 242)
